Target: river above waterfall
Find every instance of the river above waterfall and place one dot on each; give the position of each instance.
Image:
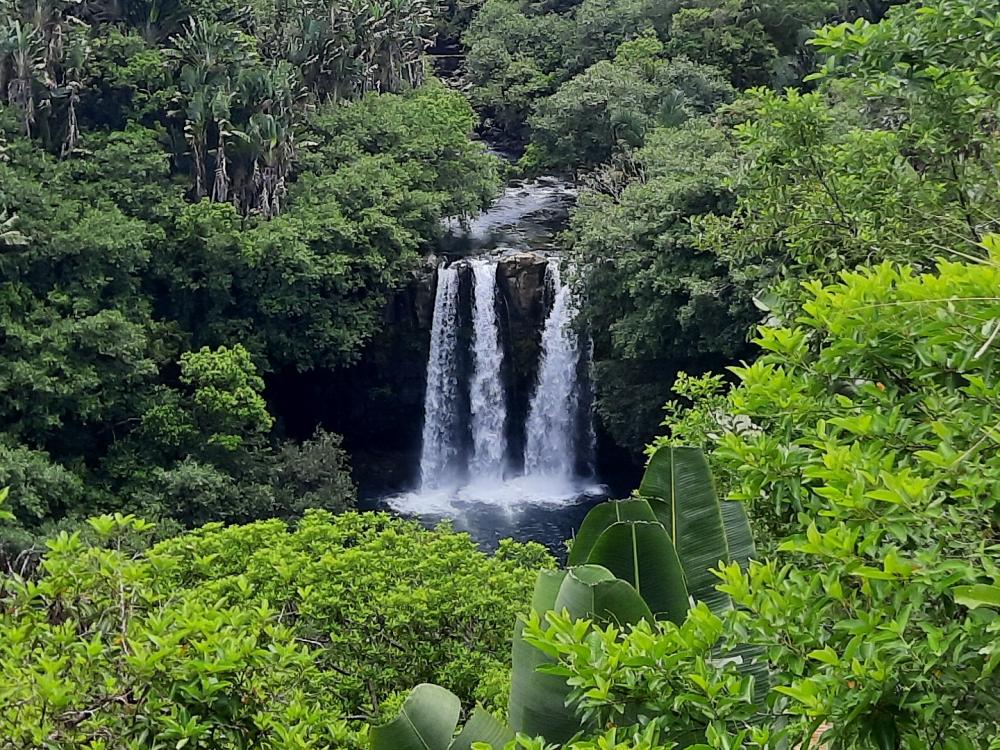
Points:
(501, 456)
(527, 216)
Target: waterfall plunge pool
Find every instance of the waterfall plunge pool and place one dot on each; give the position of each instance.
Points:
(542, 509)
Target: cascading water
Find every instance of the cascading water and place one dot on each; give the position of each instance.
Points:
(508, 377)
(551, 428)
(487, 402)
(441, 441)
(467, 461)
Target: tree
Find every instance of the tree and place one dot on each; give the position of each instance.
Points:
(613, 104)
(727, 36)
(307, 626)
(655, 301)
(889, 160)
(864, 450)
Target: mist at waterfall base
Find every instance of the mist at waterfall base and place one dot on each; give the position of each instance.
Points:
(468, 474)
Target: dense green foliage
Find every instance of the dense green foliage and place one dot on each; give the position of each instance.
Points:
(614, 103)
(892, 157)
(864, 438)
(196, 195)
(633, 562)
(521, 53)
(190, 205)
(655, 300)
(251, 636)
(864, 445)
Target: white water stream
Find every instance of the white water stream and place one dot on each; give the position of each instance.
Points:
(441, 441)
(470, 469)
(487, 397)
(551, 429)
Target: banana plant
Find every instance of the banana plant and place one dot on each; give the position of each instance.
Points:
(23, 45)
(627, 539)
(643, 558)
(428, 721)
(679, 488)
(538, 700)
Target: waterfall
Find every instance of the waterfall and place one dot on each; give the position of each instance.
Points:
(441, 440)
(488, 405)
(466, 457)
(551, 428)
(587, 452)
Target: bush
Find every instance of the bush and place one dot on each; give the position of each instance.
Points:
(259, 636)
(864, 442)
(314, 474)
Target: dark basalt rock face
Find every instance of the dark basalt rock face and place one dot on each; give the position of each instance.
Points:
(524, 303)
(522, 282)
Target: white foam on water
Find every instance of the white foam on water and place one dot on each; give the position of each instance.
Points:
(513, 495)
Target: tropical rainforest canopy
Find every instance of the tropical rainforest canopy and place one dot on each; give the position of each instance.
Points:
(786, 230)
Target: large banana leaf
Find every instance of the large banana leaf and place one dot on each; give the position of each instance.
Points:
(738, 535)
(599, 518)
(753, 659)
(682, 495)
(538, 701)
(547, 584)
(641, 553)
(537, 704)
(482, 727)
(427, 721)
(593, 592)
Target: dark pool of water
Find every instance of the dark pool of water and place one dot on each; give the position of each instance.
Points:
(523, 509)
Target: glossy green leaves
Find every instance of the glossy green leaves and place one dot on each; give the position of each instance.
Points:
(679, 486)
(538, 700)
(640, 552)
(428, 721)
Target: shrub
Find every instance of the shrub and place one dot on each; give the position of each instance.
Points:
(260, 636)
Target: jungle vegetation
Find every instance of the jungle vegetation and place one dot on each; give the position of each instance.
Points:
(787, 229)
(196, 195)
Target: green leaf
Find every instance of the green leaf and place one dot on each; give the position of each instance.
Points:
(600, 518)
(641, 553)
(482, 727)
(977, 595)
(427, 721)
(547, 584)
(593, 592)
(826, 655)
(537, 704)
(738, 534)
(5, 515)
(679, 484)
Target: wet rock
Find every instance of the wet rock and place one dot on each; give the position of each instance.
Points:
(522, 282)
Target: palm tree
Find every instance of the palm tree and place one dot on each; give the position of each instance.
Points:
(207, 51)
(220, 109)
(271, 95)
(155, 20)
(196, 134)
(24, 46)
(75, 58)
